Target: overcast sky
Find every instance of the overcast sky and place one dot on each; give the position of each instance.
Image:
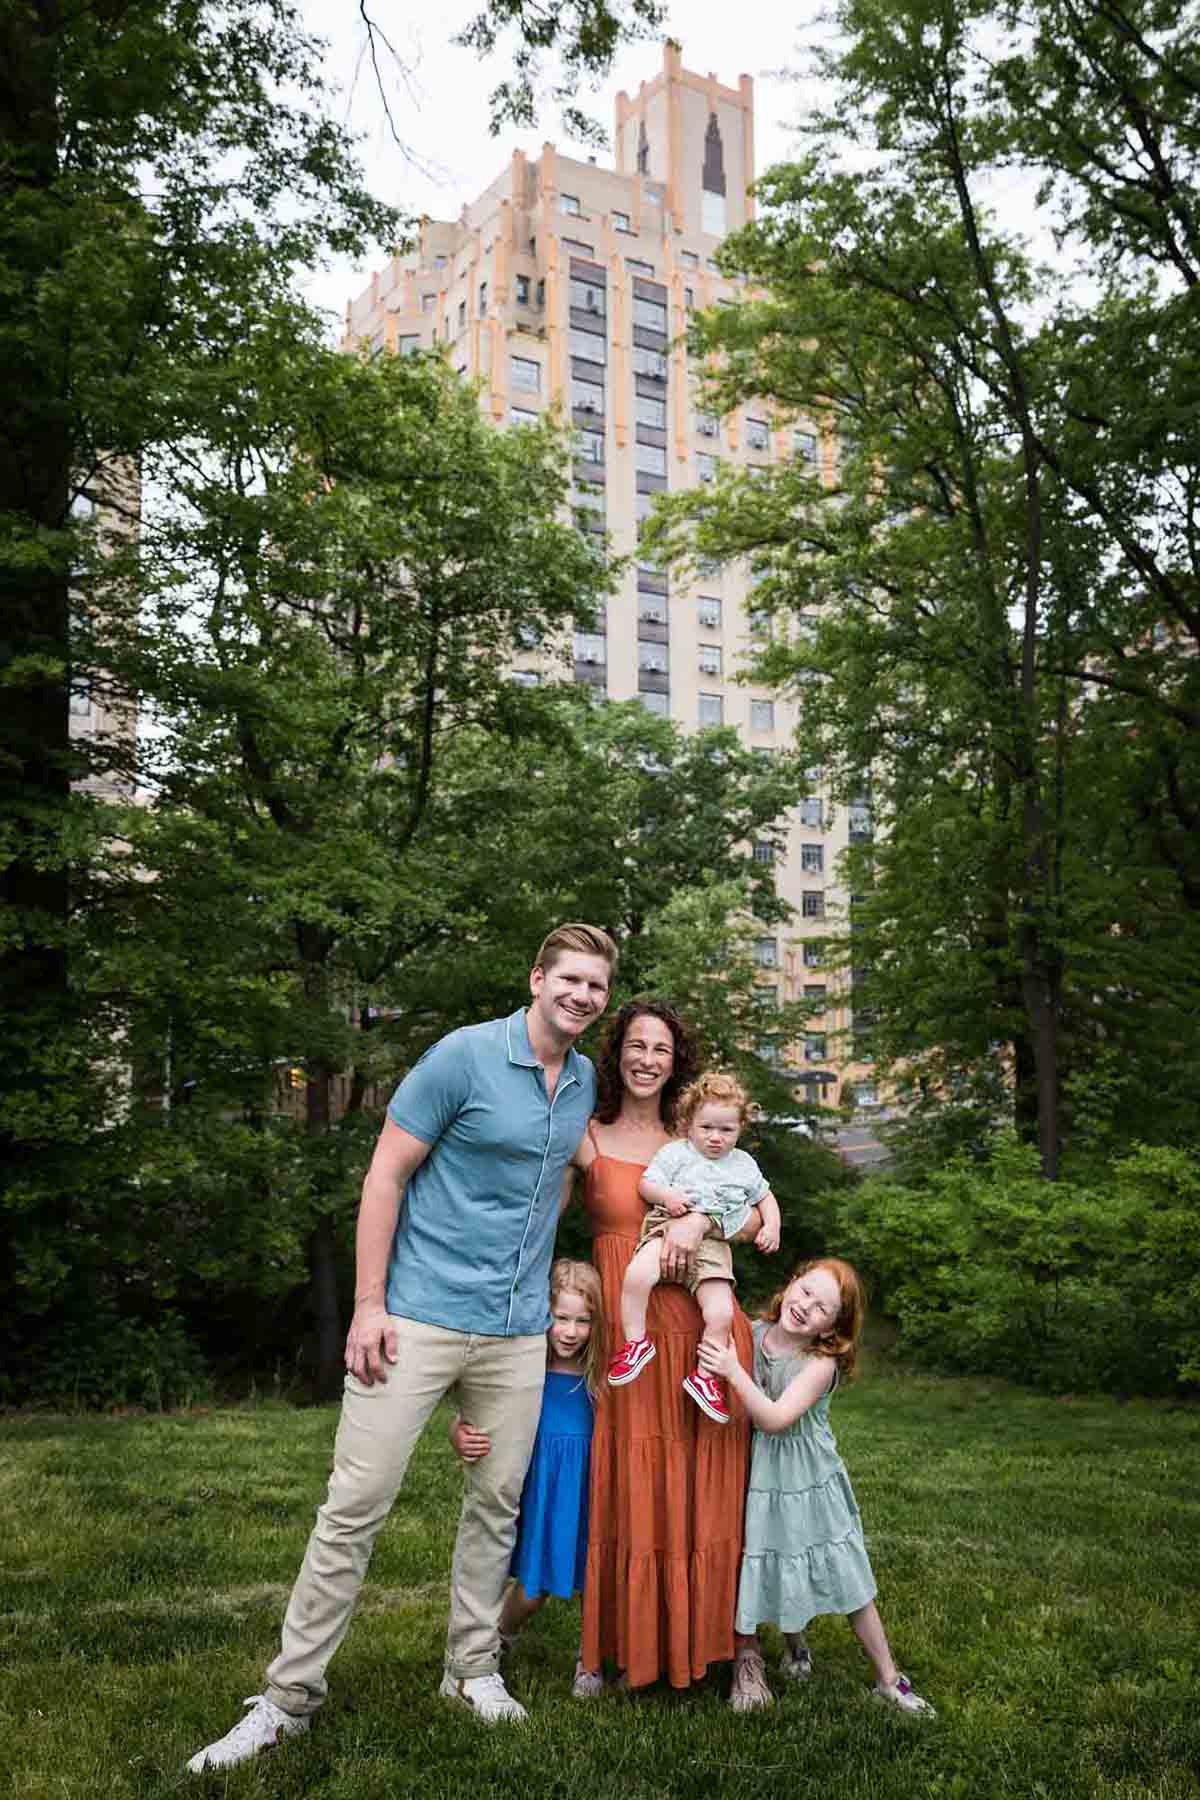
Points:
(441, 113)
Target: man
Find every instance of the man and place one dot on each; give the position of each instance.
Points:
(451, 1290)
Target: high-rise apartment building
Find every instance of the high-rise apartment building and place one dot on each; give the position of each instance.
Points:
(567, 282)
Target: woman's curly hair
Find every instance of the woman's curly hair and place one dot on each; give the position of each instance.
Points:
(609, 1087)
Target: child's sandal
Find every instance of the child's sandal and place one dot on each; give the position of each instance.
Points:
(588, 1683)
(750, 1690)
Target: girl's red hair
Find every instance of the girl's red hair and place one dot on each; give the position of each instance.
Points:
(841, 1340)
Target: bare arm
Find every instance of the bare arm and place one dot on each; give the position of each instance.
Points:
(679, 1241)
(371, 1339)
(661, 1193)
(750, 1229)
(767, 1239)
(801, 1392)
(568, 1188)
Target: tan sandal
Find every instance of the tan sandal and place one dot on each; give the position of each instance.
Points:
(750, 1690)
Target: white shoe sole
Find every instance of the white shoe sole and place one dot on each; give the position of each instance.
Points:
(517, 1717)
(624, 1380)
(702, 1403)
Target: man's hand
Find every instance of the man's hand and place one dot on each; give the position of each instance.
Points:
(468, 1443)
(370, 1342)
(675, 1201)
(679, 1241)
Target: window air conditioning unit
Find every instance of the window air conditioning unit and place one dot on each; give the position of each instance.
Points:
(707, 428)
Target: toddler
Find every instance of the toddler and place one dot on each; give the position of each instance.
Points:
(702, 1172)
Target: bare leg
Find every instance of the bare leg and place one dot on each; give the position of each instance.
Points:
(867, 1627)
(641, 1279)
(519, 1607)
(715, 1300)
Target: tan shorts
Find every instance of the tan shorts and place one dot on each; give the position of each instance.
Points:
(711, 1260)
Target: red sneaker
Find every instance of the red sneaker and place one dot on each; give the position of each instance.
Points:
(630, 1360)
(708, 1394)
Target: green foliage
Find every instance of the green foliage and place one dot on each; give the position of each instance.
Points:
(1066, 1285)
(102, 1357)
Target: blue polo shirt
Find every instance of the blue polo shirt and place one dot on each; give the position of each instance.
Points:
(476, 1229)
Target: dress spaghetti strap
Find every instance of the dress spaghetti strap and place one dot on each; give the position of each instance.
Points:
(591, 1131)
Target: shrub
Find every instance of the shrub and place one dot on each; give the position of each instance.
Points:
(104, 1359)
(1062, 1285)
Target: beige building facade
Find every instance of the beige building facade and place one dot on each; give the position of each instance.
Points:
(567, 283)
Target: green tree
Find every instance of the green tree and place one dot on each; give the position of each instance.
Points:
(991, 615)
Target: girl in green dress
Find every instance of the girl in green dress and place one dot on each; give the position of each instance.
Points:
(804, 1552)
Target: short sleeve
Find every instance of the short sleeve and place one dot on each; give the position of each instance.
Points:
(434, 1091)
(666, 1164)
(756, 1183)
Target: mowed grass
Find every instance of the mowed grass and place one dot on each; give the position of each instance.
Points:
(1038, 1563)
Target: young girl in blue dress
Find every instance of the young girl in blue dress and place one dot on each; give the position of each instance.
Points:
(804, 1552)
(550, 1554)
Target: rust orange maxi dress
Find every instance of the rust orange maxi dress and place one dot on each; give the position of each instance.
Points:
(668, 1483)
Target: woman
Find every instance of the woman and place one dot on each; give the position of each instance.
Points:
(668, 1484)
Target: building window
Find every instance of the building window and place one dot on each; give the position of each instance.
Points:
(758, 437)
(763, 852)
(590, 345)
(540, 295)
(814, 1047)
(589, 446)
(709, 659)
(759, 623)
(579, 245)
(81, 700)
(713, 267)
(462, 315)
(522, 285)
(650, 314)
(762, 715)
(809, 813)
(712, 213)
(638, 266)
(569, 203)
(812, 905)
(707, 466)
(652, 608)
(621, 222)
(804, 443)
(590, 647)
(483, 299)
(812, 859)
(815, 993)
(859, 821)
(866, 1094)
(526, 374)
(520, 415)
(766, 953)
(689, 299)
(587, 396)
(814, 955)
(524, 677)
(651, 459)
(428, 302)
(441, 262)
(409, 344)
(708, 425)
(649, 362)
(654, 658)
(651, 412)
(658, 704)
(689, 259)
(708, 613)
(711, 709)
(588, 296)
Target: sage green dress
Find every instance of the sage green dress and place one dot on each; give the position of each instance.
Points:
(804, 1552)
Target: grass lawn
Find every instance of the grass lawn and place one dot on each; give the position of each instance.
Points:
(1038, 1563)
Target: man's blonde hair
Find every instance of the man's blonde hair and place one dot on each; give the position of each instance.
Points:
(589, 940)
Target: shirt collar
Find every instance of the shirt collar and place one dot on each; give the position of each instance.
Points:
(520, 1050)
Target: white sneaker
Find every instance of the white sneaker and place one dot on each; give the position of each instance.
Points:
(264, 1726)
(484, 1695)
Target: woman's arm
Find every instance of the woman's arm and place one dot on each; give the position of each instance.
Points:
(679, 1241)
(801, 1392)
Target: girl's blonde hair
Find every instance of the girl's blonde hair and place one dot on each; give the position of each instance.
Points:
(714, 1087)
(841, 1340)
(570, 1277)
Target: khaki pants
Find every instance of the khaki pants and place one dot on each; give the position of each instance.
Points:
(499, 1384)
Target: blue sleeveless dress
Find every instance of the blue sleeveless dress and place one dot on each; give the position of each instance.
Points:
(804, 1552)
(550, 1554)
